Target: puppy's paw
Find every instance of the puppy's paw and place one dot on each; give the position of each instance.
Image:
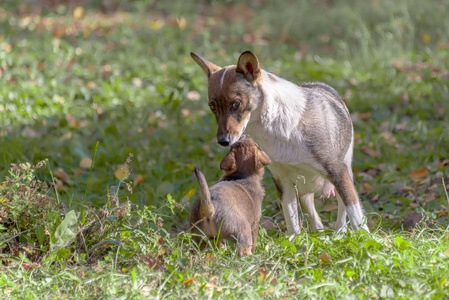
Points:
(244, 251)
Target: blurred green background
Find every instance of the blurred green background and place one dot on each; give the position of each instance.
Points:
(76, 72)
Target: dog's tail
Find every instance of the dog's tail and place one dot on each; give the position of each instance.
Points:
(207, 208)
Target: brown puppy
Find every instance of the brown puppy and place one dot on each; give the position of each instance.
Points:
(231, 208)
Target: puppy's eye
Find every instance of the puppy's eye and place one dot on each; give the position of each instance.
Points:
(235, 105)
(212, 107)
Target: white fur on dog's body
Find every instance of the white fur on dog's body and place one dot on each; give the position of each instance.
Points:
(274, 125)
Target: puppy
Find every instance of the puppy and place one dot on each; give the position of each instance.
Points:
(231, 208)
(305, 129)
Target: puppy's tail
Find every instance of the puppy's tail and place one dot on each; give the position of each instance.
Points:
(207, 208)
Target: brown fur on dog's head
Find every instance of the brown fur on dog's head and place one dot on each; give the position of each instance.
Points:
(233, 94)
(244, 159)
(231, 209)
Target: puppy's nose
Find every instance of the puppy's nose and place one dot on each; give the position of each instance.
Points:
(223, 141)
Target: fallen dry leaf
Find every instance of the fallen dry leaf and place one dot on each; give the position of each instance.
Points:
(330, 207)
(262, 274)
(325, 258)
(86, 163)
(122, 172)
(139, 179)
(370, 151)
(78, 12)
(419, 174)
(61, 174)
(366, 188)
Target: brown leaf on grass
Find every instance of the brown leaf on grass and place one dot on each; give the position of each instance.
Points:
(86, 163)
(76, 172)
(188, 281)
(122, 172)
(330, 207)
(263, 273)
(370, 151)
(388, 136)
(153, 264)
(325, 258)
(61, 174)
(419, 174)
(78, 12)
(139, 179)
(366, 188)
(27, 267)
(71, 120)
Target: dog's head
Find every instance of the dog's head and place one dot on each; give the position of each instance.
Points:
(245, 158)
(233, 94)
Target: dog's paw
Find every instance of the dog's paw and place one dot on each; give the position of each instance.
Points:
(245, 251)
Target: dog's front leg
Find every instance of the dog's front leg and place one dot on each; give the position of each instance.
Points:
(308, 206)
(290, 208)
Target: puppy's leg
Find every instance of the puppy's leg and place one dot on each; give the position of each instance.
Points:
(308, 206)
(255, 232)
(341, 178)
(244, 240)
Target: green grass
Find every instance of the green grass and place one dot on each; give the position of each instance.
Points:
(120, 75)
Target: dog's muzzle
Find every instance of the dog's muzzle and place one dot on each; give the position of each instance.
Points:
(223, 141)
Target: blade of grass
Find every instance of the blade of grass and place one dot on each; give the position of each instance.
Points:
(53, 180)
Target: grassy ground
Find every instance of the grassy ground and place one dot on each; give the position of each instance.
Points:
(99, 81)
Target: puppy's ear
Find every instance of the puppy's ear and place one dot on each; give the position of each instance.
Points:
(206, 65)
(262, 159)
(228, 163)
(248, 65)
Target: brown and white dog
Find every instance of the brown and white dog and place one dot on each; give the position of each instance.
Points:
(306, 130)
(231, 208)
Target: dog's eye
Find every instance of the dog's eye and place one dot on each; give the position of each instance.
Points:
(235, 105)
(212, 107)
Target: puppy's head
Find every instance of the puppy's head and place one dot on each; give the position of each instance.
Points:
(245, 158)
(234, 93)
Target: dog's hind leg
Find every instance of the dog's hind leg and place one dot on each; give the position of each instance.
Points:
(244, 240)
(308, 206)
(341, 217)
(341, 178)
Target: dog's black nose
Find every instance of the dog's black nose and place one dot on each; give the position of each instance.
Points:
(224, 141)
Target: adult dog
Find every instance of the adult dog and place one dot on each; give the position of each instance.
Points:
(306, 130)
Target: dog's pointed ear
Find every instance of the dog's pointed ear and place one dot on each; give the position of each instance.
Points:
(249, 66)
(262, 159)
(228, 163)
(206, 65)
